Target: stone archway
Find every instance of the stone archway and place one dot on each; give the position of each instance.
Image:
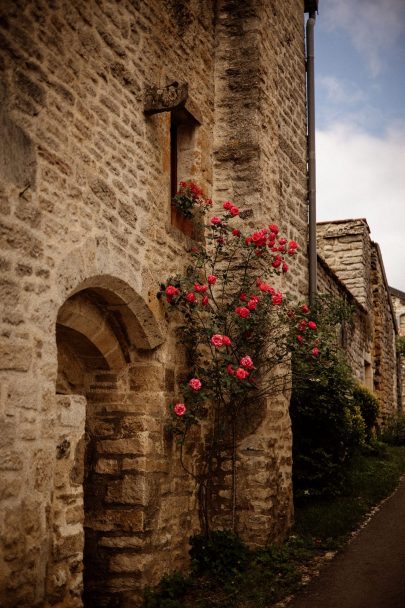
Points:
(104, 334)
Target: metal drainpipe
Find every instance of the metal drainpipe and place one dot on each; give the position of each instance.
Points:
(311, 156)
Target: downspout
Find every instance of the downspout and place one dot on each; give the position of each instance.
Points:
(311, 156)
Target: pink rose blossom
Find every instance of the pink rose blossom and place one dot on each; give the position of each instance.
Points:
(226, 341)
(216, 220)
(195, 384)
(234, 211)
(217, 340)
(212, 279)
(247, 362)
(227, 205)
(243, 297)
(180, 409)
(230, 370)
(252, 304)
(315, 351)
(312, 325)
(241, 373)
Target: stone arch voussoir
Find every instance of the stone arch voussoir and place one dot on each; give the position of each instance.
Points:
(93, 266)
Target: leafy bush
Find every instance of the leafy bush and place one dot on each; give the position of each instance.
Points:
(327, 422)
(393, 431)
(369, 408)
(169, 592)
(221, 554)
(401, 345)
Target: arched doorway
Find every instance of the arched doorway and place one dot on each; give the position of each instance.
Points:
(101, 489)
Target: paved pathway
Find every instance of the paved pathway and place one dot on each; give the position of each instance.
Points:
(370, 572)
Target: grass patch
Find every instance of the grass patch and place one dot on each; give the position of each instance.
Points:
(371, 478)
(227, 575)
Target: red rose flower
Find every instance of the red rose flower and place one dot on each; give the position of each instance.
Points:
(227, 205)
(217, 340)
(180, 409)
(312, 325)
(277, 298)
(284, 267)
(171, 291)
(315, 351)
(205, 301)
(274, 228)
(212, 279)
(216, 220)
(234, 211)
(241, 373)
(200, 288)
(230, 370)
(247, 362)
(236, 232)
(226, 341)
(300, 339)
(190, 297)
(305, 308)
(195, 384)
(242, 311)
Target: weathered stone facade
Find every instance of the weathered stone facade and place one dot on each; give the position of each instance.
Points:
(88, 363)
(351, 266)
(398, 300)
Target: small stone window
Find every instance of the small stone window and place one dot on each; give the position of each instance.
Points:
(182, 159)
(368, 375)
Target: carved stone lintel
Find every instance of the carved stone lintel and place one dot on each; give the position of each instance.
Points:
(165, 99)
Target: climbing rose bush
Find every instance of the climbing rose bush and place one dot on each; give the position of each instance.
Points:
(236, 324)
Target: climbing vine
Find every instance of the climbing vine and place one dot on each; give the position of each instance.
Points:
(236, 326)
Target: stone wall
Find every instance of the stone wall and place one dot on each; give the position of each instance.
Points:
(346, 248)
(85, 225)
(356, 339)
(398, 301)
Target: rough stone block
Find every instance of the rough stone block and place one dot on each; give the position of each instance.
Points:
(15, 356)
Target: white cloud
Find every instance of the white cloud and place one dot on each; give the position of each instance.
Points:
(361, 175)
(341, 91)
(373, 25)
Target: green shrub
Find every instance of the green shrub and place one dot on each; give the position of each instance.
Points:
(393, 431)
(328, 426)
(169, 593)
(222, 553)
(369, 408)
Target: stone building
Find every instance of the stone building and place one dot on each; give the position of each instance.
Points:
(105, 105)
(350, 266)
(398, 300)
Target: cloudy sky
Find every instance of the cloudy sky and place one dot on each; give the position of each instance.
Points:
(360, 107)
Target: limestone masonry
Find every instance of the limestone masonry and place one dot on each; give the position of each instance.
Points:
(104, 106)
(92, 493)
